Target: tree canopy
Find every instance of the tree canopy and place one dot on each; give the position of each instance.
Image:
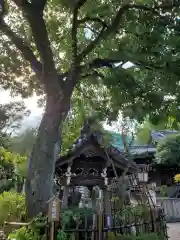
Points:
(104, 38)
(168, 150)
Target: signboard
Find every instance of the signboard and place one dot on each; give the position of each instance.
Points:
(54, 205)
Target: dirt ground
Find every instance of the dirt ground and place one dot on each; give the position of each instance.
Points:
(174, 231)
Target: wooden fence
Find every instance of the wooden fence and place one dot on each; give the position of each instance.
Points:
(171, 208)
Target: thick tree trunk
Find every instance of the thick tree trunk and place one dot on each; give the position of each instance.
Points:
(39, 184)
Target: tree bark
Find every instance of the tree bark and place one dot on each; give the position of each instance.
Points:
(40, 179)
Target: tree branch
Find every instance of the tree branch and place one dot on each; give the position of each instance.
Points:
(80, 3)
(106, 31)
(38, 5)
(33, 11)
(72, 75)
(41, 39)
(99, 63)
(93, 74)
(92, 45)
(22, 47)
(95, 64)
(74, 36)
(77, 6)
(92, 19)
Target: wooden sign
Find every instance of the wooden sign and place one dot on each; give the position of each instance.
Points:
(54, 207)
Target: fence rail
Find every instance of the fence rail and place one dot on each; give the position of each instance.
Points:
(102, 226)
(127, 222)
(171, 208)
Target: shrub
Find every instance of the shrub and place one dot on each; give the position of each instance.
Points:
(34, 231)
(168, 150)
(12, 207)
(24, 233)
(13, 168)
(164, 191)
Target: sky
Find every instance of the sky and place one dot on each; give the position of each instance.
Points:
(31, 104)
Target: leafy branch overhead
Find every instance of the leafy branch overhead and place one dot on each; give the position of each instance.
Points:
(85, 55)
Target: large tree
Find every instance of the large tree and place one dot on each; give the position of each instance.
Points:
(53, 47)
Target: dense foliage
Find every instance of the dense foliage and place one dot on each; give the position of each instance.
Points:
(22, 142)
(168, 150)
(11, 115)
(144, 45)
(12, 207)
(13, 168)
(35, 230)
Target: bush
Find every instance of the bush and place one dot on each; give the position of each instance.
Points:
(164, 191)
(168, 150)
(34, 231)
(13, 168)
(24, 233)
(6, 164)
(12, 207)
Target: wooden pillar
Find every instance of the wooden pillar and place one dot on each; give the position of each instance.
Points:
(65, 197)
(94, 208)
(93, 199)
(107, 206)
(66, 187)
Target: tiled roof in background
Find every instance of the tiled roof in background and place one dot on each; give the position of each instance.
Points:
(158, 135)
(140, 149)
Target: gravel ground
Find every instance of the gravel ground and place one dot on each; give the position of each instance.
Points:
(174, 231)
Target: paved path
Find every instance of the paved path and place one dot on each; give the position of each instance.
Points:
(174, 231)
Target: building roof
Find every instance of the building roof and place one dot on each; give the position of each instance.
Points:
(88, 156)
(117, 140)
(115, 149)
(161, 134)
(137, 150)
(93, 141)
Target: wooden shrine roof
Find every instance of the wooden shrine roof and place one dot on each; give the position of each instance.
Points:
(90, 144)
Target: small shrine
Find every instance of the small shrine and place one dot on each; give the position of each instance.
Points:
(112, 186)
(89, 163)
